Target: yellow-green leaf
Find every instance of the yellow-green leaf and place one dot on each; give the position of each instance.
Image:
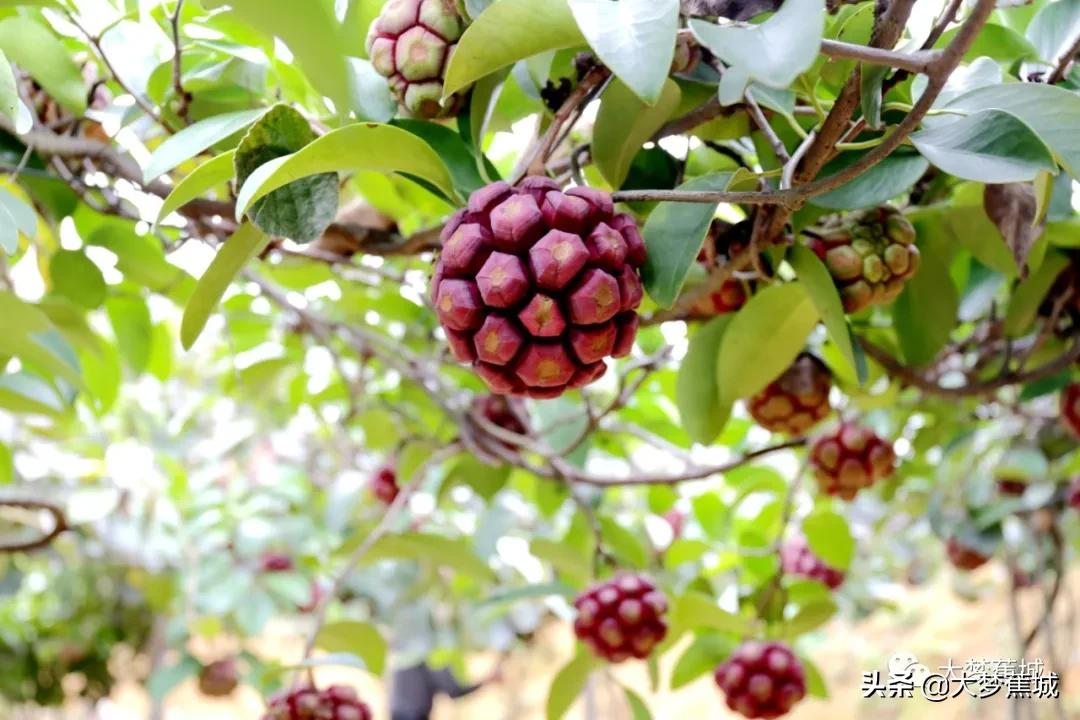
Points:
(210, 174)
(624, 123)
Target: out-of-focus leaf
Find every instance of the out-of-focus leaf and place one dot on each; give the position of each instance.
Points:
(77, 278)
(1031, 293)
(696, 393)
(925, 312)
(624, 123)
(210, 174)
(568, 684)
(359, 638)
(30, 45)
(196, 138)
(822, 290)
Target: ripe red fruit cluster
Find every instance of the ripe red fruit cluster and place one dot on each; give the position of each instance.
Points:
(797, 400)
(964, 557)
(535, 287)
(796, 558)
(335, 702)
(1072, 495)
(621, 618)
(1070, 409)
(850, 459)
(762, 679)
(721, 246)
(384, 485)
(410, 43)
(276, 562)
(219, 678)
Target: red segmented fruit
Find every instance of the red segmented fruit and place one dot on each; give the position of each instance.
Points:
(850, 459)
(336, 702)
(964, 557)
(722, 244)
(410, 43)
(622, 618)
(536, 287)
(384, 485)
(219, 678)
(797, 400)
(1072, 494)
(797, 558)
(1070, 409)
(870, 258)
(762, 679)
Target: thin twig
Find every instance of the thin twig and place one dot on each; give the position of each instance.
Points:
(182, 95)
(916, 62)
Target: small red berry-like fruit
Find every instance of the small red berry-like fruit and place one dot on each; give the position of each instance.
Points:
(276, 562)
(335, 702)
(797, 558)
(850, 459)
(1012, 488)
(762, 679)
(219, 678)
(621, 618)
(797, 400)
(410, 43)
(963, 556)
(721, 246)
(1070, 409)
(1072, 495)
(536, 287)
(505, 412)
(318, 592)
(384, 485)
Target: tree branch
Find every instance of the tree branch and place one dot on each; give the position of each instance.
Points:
(1064, 62)
(916, 62)
(59, 524)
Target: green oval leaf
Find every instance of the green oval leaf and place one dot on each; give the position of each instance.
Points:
(822, 290)
(196, 138)
(673, 236)
(764, 338)
(31, 46)
(568, 684)
(890, 177)
(77, 278)
(702, 414)
(991, 146)
(508, 31)
(925, 312)
(244, 244)
(635, 38)
(358, 638)
(363, 146)
(829, 537)
(1030, 294)
(210, 174)
(624, 123)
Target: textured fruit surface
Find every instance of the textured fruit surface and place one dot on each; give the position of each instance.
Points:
(622, 618)
(1070, 409)
(384, 485)
(721, 245)
(536, 287)
(410, 43)
(219, 678)
(871, 258)
(276, 562)
(1072, 495)
(335, 702)
(964, 557)
(762, 679)
(850, 459)
(796, 558)
(797, 400)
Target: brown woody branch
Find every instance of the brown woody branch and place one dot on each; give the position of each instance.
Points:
(1064, 62)
(59, 524)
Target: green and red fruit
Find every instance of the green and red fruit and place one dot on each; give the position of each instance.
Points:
(622, 618)
(850, 459)
(762, 679)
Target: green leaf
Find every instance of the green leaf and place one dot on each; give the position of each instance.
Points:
(196, 138)
(1054, 29)
(925, 312)
(815, 682)
(626, 545)
(363, 146)
(29, 335)
(9, 231)
(31, 46)
(167, 678)
(130, 318)
(210, 174)
(990, 146)
(1053, 113)
(302, 209)
(775, 52)
(460, 160)
(822, 290)
(25, 393)
(810, 617)
(763, 339)
(564, 558)
(485, 480)
(371, 97)
(1030, 294)
(870, 82)
(247, 242)
(624, 123)
(890, 177)
(696, 393)
(358, 638)
(635, 38)
(23, 215)
(11, 105)
(638, 708)
(313, 35)
(77, 278)
(674, 234)
(697, 610)
(508, 31)
(830, 538)
(569, 681)
(700, 658)
(454, 553)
